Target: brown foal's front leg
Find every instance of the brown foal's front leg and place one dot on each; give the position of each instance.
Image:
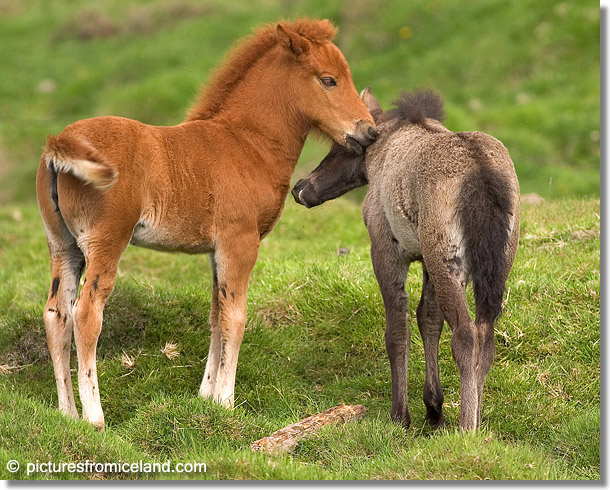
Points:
(234, 262)
(208, 384)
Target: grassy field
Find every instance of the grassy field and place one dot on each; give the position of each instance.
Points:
(525, 71)
(314, 339)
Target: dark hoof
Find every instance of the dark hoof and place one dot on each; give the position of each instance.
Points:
(402, 419)
(434, 418)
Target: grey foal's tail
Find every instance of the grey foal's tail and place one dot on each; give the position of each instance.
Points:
(485, 216)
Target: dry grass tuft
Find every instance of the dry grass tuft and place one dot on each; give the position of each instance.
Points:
(171, 350)
(128, 361)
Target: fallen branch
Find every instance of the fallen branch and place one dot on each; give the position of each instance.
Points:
(286, 439)
(7, 369)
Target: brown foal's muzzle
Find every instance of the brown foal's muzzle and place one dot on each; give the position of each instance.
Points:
(365, 135)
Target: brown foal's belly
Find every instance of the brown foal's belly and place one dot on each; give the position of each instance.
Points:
(170, 238)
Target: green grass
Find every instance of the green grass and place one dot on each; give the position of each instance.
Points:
(314, 339)
(525, 71)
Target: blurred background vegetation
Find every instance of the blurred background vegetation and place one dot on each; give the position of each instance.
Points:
(526, 71)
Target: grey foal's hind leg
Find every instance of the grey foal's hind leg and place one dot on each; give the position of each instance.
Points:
(391, 271)
(447, 271)
(430, 322)
(465, 346)
(487, 350)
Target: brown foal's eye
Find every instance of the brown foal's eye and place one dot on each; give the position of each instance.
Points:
(328, 81)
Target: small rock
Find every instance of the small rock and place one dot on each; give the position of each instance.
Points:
(475, 105)
(46, 86)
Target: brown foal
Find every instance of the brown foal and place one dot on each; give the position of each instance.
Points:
(214, 184)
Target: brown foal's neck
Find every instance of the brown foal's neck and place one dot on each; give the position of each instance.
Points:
(263, 113)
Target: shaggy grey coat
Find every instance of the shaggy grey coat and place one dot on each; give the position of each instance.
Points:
(450, 200)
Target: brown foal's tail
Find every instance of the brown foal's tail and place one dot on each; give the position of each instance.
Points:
(70, 154)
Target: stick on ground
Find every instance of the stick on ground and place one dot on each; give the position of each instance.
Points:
(286, 439)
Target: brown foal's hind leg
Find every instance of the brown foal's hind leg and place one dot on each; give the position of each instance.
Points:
(234, 262)
(66, 269)
(211, 367)
(430, 322)
(391, 271)
(67, 263)
(102, 265)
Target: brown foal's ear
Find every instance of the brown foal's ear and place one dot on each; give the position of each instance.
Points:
(371, 103)
(291, 40)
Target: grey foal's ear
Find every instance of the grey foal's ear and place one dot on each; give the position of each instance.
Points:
(371, 103)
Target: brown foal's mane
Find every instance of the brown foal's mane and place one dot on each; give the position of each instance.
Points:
(246, 54)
